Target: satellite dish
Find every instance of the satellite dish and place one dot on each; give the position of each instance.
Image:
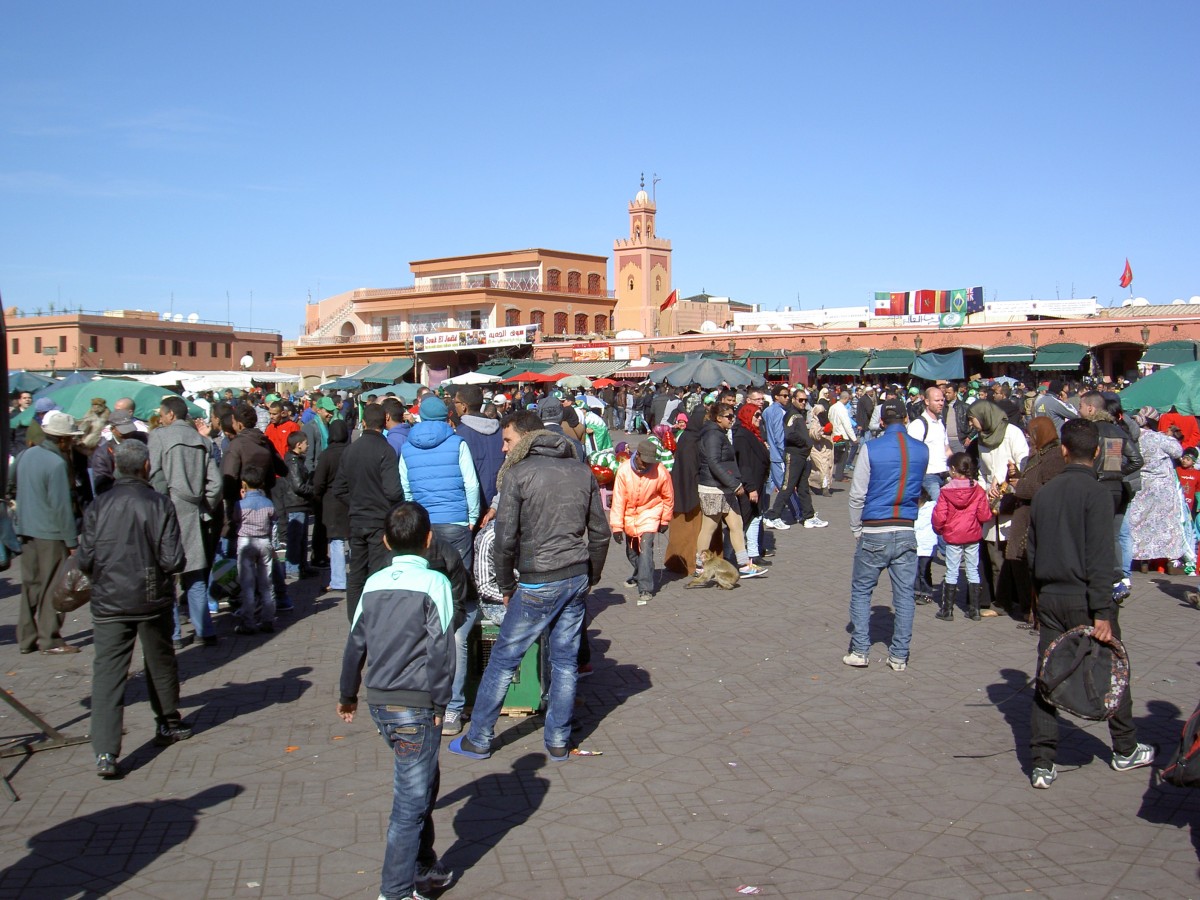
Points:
(629, 334)
(1195, 300)
(708, 326)
(1127, 302)
(763, 328)
(246, 361)
(1140, 301)
(193, 318)
(178, 317)
(166, 317)
(1178, 301)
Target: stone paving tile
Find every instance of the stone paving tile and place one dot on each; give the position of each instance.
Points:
(737, 750)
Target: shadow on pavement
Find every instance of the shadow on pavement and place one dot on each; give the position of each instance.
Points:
(92, 856)
(496, 804)
(219, 705)
(1165, 804)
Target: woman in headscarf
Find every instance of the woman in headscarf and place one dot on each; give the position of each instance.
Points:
(754, 463)
(1043, 463)
(821, 457)
(1154, 520)
(1002, 451)
(684, 530)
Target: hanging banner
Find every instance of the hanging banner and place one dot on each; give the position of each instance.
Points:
(475, 337)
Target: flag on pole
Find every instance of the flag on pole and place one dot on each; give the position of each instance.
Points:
(899, 305)
(1127, 275)
(883, 303)
(672, 298)
(975, 300)
(924, 303)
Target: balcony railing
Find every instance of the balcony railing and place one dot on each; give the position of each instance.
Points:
(519, 285)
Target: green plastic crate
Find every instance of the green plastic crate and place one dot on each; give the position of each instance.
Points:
(524, 695)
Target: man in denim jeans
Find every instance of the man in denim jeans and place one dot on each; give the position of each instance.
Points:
(883, 506)
(550, 528)
(403, 628)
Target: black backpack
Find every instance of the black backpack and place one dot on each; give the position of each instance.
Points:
(1184, 768)
(1081, 676)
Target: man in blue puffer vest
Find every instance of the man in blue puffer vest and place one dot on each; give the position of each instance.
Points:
(884, 496)
(436, 470)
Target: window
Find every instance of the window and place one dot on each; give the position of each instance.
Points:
(573, 282)
(214, 348)
(191, 348)
(512, 317)
(93, 345)
(162, 348)
(560, 323)
(228, 351)
(552, 277)
(521, 280)
(581, 323)
(142, 346)
(37, 345)
(176, 348)
(658, 282)
(594, 284)
(631, 282)
(16, 344)
(601, 322)
(62, 344)
(120, 342)
(476, 317)
(538, 318)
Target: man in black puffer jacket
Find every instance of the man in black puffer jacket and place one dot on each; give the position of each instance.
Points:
(131, 547)
(551, 528)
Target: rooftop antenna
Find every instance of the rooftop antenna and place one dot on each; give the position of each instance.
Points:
(227, 319)
(642, 183)
(654, 188)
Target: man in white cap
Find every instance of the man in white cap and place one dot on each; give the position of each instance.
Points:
(47, 529)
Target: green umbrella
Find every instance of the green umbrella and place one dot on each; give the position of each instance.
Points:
(405, 391)
(1177, 386)
(19, 380)
(76, 400)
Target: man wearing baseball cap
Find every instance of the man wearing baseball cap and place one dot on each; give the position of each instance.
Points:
(47, 529)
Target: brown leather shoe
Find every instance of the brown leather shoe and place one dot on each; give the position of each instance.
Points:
(59, 651)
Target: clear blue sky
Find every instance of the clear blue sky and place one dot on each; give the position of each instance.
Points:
(810, 153)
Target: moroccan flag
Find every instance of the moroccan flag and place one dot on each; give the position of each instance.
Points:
(899, 305)
(883, 303)
(1127, 275)
(924, 303)
(958, 301)
(975, 300)
(670, 301)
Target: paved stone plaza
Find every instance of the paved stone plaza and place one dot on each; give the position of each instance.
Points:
(737, 751)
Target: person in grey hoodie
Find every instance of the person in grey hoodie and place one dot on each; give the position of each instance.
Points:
(482, 436)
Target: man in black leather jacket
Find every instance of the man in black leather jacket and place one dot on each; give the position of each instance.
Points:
(131, 546)
(1119, 458)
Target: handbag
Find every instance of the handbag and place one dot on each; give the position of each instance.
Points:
(70, 587)
(1082, 676)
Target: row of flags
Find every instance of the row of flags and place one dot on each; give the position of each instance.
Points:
(963, 301)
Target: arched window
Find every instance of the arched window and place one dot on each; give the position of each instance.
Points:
(594, 284)
(601, 322)
(512, 317)
(552, 277)
(538, 318)
(581, 323)
(574, 280)
(657, 282)
(560, 323)
(631, 282)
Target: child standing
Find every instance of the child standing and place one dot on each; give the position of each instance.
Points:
(958, 516)
(643, 502)
(253, 522)
(297, 503)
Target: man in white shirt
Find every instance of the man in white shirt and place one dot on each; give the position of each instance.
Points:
(929, 429)
(842, 434)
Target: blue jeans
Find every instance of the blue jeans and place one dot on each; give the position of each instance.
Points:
(254, 558)
(337, 564)
(195, 588)
(460, 538)
(895, 551)
(458, 698)
(414, 741)
(955, 554)
(297, 542)
(641, 558)
(559, 608)
(1125, 545)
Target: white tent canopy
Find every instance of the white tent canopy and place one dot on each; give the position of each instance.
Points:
(472, 378)
(217, 381)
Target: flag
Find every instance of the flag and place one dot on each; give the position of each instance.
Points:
(974, 300)
(924, 303)
(883, 303)
(958, 301)
(1127, 275)
(899, 305)
(670, 301)
(951, 320)
(942, 301)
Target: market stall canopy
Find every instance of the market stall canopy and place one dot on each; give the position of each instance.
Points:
(499, 369)
(51, 389)
(1177, 386)
(1170, 353)
(341, 384)
(471, 378)
(944, 366)
(1059, 358)
(76, 400)
(384, 372)
(19, 380)
(1011, 353)
(889, 362)
(405, 391)
(844, 362)
(708, 373)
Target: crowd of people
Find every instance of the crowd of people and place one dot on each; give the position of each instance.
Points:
(471, 502)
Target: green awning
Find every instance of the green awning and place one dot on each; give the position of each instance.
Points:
(1012, 353)
(1169, 353)
(499, 369)
(812, 357)
(384, 372)
(890, 362)
(844, 362)
(1059, 358)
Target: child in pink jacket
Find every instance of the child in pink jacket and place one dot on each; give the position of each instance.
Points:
(962, 508)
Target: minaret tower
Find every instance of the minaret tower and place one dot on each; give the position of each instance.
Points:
(642, 266)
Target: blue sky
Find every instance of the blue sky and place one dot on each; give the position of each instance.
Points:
(809, 153)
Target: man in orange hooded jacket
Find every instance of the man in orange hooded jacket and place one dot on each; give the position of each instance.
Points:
(643, 502)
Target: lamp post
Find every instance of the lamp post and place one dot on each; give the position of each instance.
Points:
(917, 341)
(1145, 335)
(1033, 338)
(824, 346)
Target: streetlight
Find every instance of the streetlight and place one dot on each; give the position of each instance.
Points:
(917, 341)
(1145, 335)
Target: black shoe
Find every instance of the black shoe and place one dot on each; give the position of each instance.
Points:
(106, 766)
(210, 641)
(767, 554)
(245, 629)
(631, 582)
(183, 642)
(266, 628)
(166, 735)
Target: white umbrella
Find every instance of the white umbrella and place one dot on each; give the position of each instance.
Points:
(472, 378)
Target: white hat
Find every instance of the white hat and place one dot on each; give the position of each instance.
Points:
(57, 423)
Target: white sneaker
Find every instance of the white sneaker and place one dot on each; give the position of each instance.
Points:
(858, 660)
(815, 522)
(777, 524)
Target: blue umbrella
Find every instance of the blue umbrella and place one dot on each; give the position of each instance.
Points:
(20, 380)
(51, 389)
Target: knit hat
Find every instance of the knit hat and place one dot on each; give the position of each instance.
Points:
(433, 410)
(551, 412)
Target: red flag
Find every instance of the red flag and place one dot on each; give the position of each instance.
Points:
(924, 303)
(1127, 275)
(899, 303)
(670, 301)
